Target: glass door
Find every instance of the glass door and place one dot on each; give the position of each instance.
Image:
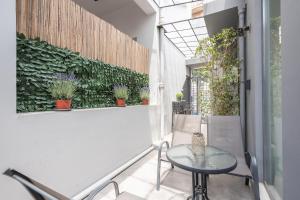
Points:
(272, 98)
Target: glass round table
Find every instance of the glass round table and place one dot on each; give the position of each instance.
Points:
(201, 160)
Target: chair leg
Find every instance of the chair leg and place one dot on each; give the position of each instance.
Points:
(159, 163)
(158, 173)
(256, 190)
(247, 181)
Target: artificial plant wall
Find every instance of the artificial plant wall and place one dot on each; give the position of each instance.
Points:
(38, 61)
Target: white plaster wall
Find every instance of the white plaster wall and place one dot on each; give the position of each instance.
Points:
(254, 72)
(134, 22)
(290, 98)
(67, 151)
(174, 77)
(131, 20)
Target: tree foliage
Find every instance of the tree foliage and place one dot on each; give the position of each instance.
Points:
(221, 71)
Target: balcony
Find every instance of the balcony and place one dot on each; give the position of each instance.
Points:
(100, 91)
(139, 179)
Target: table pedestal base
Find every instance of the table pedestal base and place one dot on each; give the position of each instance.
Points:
(199, 190)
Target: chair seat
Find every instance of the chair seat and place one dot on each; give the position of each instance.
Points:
(241, 169)
(128, 196)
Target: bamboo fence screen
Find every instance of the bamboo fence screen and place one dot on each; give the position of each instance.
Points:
(65, 24)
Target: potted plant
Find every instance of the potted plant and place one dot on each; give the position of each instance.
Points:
(121, 95)
(63, 90)
(144, 95)
(179, 96)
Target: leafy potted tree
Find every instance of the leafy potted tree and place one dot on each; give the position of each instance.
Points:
(144, 95)
(121, 95)
(63, 90)
(179, 96)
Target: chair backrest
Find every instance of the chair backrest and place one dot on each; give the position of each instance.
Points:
(225, 133)
(184, 127)
(36, 189)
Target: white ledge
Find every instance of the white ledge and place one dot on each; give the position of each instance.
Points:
(81, 110)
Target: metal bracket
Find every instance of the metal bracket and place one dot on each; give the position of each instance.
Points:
(248, 84)
(242, 31)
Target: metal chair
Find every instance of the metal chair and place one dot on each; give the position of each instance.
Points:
(119, 196)
(225, 132)
(41, 192)
(183, 128)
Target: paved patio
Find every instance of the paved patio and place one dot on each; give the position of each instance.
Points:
(140, 179)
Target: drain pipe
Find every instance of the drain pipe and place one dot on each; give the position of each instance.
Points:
(241, 46)
(161, 81)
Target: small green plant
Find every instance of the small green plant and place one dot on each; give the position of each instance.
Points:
(63, 87)
(121, 92)
(144, 93)
(179, 96)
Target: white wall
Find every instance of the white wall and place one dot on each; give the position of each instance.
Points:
(174, 77)
(254, 72)
(134, 22)
(67, 151)
(131, 20)
(290, 98)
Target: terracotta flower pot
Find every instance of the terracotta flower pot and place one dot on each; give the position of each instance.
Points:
(63, 104)
(120, 102)
(145, 101)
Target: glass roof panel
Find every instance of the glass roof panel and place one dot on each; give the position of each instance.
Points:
(196, 23)
(165, 3)
(201, 37)
(200, 31)
(181, 45)
(177, 40)
(190, 39)
(186, 33)
(193, 48)
(189, 55)
(193, 44)
(169, 28)
(182, 25)
(185, 49)
(172, 35)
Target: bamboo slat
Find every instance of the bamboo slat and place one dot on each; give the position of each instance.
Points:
(65, 24)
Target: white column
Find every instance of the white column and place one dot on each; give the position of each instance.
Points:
(161, 81)
(241, 47)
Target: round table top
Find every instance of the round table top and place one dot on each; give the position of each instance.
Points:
(208, 159)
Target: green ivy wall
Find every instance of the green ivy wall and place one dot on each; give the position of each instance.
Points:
(38, 61)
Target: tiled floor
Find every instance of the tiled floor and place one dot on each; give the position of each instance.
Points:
(140, 179)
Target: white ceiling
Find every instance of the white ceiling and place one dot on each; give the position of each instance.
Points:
(102, 7)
